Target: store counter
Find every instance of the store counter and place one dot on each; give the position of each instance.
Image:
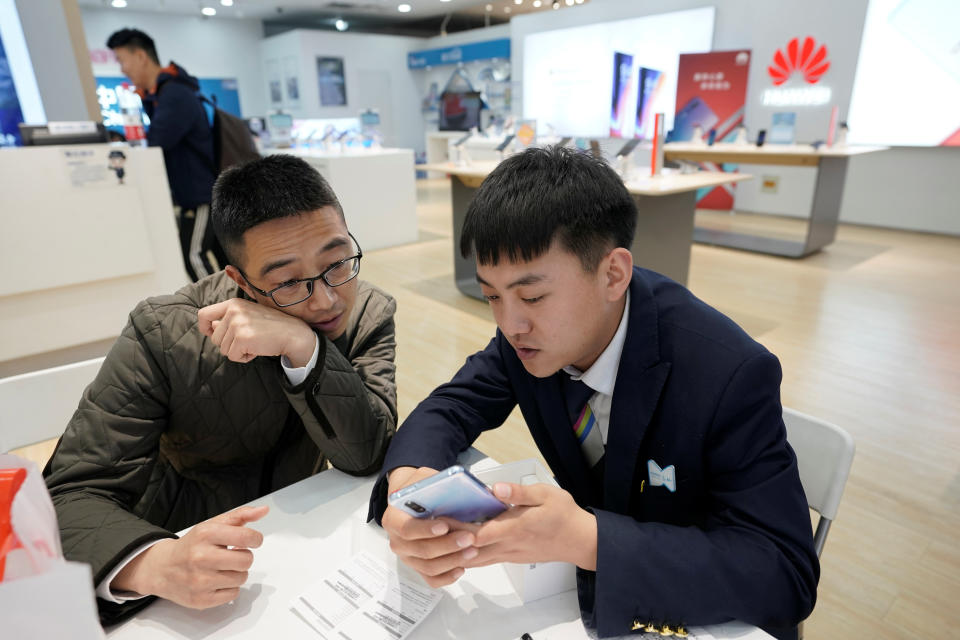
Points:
(377, 190)
(85, 237)
(665, 210)
(831, 165)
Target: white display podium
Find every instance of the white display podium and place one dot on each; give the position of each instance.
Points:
(78, 247)
(377, 190)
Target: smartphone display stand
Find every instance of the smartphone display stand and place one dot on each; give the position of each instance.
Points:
(741, 136)
(462, 157)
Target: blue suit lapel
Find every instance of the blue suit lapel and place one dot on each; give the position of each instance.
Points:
(640, 380)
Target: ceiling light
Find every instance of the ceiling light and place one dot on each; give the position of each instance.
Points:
(506, 9)
(579, 1)
(517, 1)
(569, 3)
(444, 0)
(489, 7)
(226, 3)
(341, 24)
(118, 4)
(556, 4)
(404, 8)
(537, 4)
(208, 11)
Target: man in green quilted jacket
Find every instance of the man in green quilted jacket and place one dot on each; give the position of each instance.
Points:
(234, 386)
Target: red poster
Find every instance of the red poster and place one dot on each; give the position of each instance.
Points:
(711, 94)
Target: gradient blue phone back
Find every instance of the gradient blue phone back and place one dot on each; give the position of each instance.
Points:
(452, 493)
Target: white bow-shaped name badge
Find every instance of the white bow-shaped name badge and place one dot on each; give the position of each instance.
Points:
(662, 477)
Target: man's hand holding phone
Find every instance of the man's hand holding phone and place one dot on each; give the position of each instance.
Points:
(544, 524)
(436, 549)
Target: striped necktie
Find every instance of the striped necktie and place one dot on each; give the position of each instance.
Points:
(576, 395)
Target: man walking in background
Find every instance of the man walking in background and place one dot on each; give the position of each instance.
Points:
(179, 125)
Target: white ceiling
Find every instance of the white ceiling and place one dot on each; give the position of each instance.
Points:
(266, 9)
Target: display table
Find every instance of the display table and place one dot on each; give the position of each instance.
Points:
(376, 188)
(665, 210)
(831, 165)
(438, 147)
(316, 525)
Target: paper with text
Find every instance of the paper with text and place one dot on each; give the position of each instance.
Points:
(364, 599)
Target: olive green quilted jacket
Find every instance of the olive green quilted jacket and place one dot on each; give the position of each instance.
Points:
(171, 432)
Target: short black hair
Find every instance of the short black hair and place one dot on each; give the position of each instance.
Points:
(276, 186)
(538, 195)
(133, 39)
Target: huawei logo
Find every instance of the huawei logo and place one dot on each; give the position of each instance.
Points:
(808, 60)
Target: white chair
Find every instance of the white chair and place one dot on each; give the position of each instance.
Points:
(37, 406)
(824, 455)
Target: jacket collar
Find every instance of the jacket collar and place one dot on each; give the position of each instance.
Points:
(640, 382)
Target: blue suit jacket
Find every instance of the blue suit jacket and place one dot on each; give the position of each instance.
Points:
(693, 390)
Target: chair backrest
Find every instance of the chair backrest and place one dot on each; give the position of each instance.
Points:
(824, 455)
(37, 406)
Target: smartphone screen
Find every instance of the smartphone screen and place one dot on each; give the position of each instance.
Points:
(761, 136)
(712, 137)
(506, 141)
(452, 493)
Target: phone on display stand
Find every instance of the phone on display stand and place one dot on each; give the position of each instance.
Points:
(595, 149)
(506, 141)
(452, 493)
(628, 148)
(761, 137)
(711, 137)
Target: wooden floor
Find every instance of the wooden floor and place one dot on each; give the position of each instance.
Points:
(868, 332)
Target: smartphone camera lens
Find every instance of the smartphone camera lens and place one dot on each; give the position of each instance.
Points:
(416, 507)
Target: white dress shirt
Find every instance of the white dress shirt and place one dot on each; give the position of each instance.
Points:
(602, 374)
(296, 375)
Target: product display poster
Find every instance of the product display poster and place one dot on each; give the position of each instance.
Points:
(332, 82)
(907, 87)
(711, 94)
(10, 114)
(585, 81)
(783, 129)
(622, 89)
(274, 83)
(291, 81)
(649, 93)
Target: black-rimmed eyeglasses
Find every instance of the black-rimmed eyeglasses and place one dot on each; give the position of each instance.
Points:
(296, 291)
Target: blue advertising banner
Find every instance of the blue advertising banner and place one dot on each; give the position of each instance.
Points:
(463, 53)
(10, 114)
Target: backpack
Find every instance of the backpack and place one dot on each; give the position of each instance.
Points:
(232, 141)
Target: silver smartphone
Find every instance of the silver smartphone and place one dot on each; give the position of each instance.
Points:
(453, 493)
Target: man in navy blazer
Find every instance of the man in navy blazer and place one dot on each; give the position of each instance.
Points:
(680, 501)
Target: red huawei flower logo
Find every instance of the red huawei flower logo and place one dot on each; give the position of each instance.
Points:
(812, 64)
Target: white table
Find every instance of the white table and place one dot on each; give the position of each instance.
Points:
(831, 165)
(376, 188)
(665, 212)
(317, 524)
